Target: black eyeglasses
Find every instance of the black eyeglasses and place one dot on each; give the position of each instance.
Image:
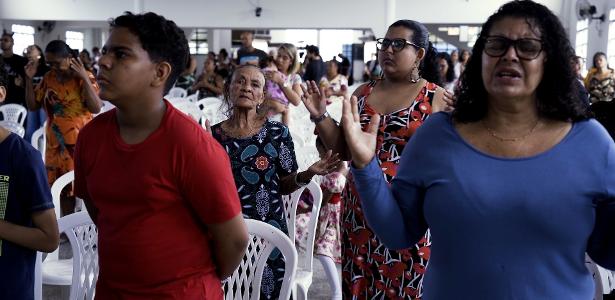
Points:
(396, 44)
(526, 48)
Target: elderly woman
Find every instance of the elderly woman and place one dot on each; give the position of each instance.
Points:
(511, 205)
(404, 97)
(69, 95)
(263, 161)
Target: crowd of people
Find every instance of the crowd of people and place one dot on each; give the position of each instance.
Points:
(449, 174)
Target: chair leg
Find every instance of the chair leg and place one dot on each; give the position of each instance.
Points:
(300, 293)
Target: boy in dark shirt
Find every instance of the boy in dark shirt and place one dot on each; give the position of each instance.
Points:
(27, 218)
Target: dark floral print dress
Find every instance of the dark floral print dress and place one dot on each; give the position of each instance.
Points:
(258, 163)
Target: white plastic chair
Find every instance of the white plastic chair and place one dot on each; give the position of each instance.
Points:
(247, 277)
(303, 279)
(83, 238)
(595, 271)
(13, 127)
(106, 106)
(55, 271)
(39, 140)
(212, 109)
(189, 108)
(193, 98)
(177, 92)
(14, 112)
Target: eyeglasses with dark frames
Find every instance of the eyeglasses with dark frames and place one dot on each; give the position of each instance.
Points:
(526, 48)
(397, 44)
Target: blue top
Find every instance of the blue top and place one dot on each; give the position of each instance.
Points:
(23, 190)
(501, 228)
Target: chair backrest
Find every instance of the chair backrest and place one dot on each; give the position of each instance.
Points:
(213, 109)
(106, 106)
(58, 186)
(83, 237)
(177, 92)
(13, 127)
(193, 98)
(14, 112)
(189, 108)
(39, 140)
(290, 214)
(245, 282)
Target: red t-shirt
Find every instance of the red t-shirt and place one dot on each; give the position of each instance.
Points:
(154, 199)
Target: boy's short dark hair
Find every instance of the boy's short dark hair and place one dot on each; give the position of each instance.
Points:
(312, 49)
(162, 39)
(4, 80)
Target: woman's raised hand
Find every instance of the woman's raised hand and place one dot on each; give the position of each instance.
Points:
(314, 99)
(326, 165)
(77, 66)
(362, 144)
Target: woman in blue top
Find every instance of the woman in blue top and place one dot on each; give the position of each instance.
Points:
(515, 185)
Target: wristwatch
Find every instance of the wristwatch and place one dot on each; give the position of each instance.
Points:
(319, 119)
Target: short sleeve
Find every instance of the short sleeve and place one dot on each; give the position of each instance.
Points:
(295, 79)
(33, 184)
(287, 161)
(207, 182)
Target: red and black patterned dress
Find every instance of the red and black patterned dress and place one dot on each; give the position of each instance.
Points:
(369, 269)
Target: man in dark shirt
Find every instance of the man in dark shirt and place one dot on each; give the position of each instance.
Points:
(248, 54)
(14, 66)
(315, 67)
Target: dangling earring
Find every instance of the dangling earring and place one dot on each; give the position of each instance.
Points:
(415, 76)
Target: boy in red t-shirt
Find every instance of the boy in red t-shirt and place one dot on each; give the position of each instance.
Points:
(159, 187)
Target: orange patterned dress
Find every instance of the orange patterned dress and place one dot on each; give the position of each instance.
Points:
(66, 115)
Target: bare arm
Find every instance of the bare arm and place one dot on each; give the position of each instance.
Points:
(43, 236)
(326, 165)
(443, 100)
(229, 242)
(293, 94)
(288, 184)
(217, 87)
(89, 94)
(330, 133)
(31, 103)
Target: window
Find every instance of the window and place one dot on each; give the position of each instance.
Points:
(611, 45)
(198, 42)
(74, 39)
(581, 41)
(440, 44)
(23, 36)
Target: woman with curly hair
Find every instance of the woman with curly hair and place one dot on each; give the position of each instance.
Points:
(511, 205)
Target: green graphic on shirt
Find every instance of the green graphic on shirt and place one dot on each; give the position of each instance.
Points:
(4, 195)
